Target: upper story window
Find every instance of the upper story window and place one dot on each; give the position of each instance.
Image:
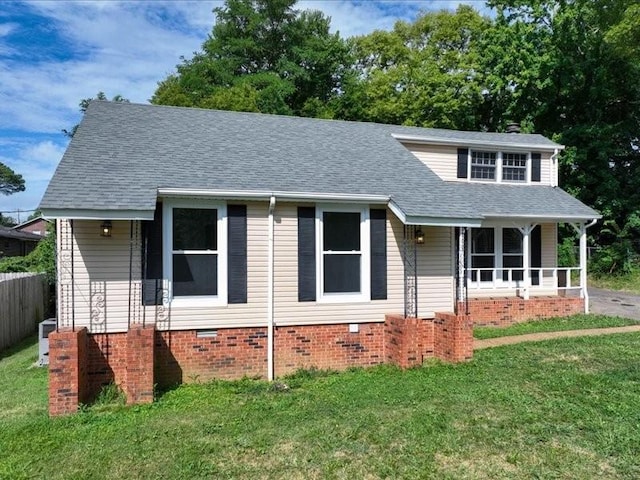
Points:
(514, 167)
(498, 166)
(483, 165)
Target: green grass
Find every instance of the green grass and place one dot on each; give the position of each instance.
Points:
(565, 409)
(575, 322)
(626, 283)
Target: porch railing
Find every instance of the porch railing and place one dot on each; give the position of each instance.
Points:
(557, 278)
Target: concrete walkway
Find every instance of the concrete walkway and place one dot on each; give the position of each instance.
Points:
(536, 337)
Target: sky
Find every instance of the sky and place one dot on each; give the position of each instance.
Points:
(55, 53)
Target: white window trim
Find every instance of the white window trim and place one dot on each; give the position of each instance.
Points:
(499, 178)
(498, 258)
(167, 253)
(365, 256)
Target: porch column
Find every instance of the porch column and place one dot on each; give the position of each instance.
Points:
(526, 276)
(581, 229)
(461, 270)
(583, 267)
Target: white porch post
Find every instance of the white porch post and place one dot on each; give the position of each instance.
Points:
(526, 277)
(461, 270)
(583, 267)
(582, 231)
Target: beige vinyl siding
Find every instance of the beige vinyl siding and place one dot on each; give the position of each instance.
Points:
(549, 235)
(289, 311)
(100, 270)
(435, 272)
(443, 161)
(252, 313)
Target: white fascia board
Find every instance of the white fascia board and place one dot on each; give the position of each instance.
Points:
(475, 143)
(281, 196)
(542, 218)
(83, 214)
(432, 221)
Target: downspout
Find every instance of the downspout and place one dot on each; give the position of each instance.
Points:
(583, 262)
(270, 319)
(554, 161)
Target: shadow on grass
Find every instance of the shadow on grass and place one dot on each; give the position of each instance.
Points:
(22, 345)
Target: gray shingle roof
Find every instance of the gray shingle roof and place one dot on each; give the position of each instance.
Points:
(7, 232)
(122, 153)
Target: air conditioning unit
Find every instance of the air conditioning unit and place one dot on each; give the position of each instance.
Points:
(44, 329)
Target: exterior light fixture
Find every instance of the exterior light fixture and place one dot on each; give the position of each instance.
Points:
(105, 228)
(419, 236)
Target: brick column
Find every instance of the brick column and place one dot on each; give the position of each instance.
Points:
(138, 384)
(407, 340)
(67, 370)
(453, 337)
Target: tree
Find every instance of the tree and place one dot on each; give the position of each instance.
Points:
(262, 56)
(7, 221)
(584, 91)
(424, 73)
(10, 182)
(84, 104)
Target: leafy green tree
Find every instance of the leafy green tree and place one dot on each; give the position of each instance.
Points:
(84, 104)
(423, 73)
(10, 182)
(261, 56)
(580, 84)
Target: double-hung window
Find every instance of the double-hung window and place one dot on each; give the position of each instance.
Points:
(343, 254)
(483, 165)
(195, 259)
(512, 255)
(490, 166)
(514, 167)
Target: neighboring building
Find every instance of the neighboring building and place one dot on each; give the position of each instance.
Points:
(247, 244)
(14, 243)
(37, 226)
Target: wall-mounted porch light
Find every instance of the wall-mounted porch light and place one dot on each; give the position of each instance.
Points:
(419, 236)
(105, 228)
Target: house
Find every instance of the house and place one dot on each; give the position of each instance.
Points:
(37, 226)
(14, 243)
(211, 244)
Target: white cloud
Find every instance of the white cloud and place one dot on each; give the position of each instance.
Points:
(36, 163)
(120, 48)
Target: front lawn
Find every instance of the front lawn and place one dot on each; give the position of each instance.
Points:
(558, 409)
(575, 322)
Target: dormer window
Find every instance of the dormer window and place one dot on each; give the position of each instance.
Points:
(511, 167)
(514, 167)
(483, 165)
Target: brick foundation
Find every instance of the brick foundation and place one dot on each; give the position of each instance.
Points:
(504, 311)
(327, 347)
(82, 364)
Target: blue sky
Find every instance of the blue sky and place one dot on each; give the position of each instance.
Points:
(55, 53)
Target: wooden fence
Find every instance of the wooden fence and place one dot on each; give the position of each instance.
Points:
(23, 303)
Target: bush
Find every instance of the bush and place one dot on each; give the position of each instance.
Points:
(41, 259)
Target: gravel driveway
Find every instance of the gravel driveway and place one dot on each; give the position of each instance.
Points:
(617, 304)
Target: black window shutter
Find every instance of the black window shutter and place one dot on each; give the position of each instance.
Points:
(152, 259)
(536, 253)
(463, 160)
(237, 253)
(378, 223)
(535, 167)
(306, 254)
